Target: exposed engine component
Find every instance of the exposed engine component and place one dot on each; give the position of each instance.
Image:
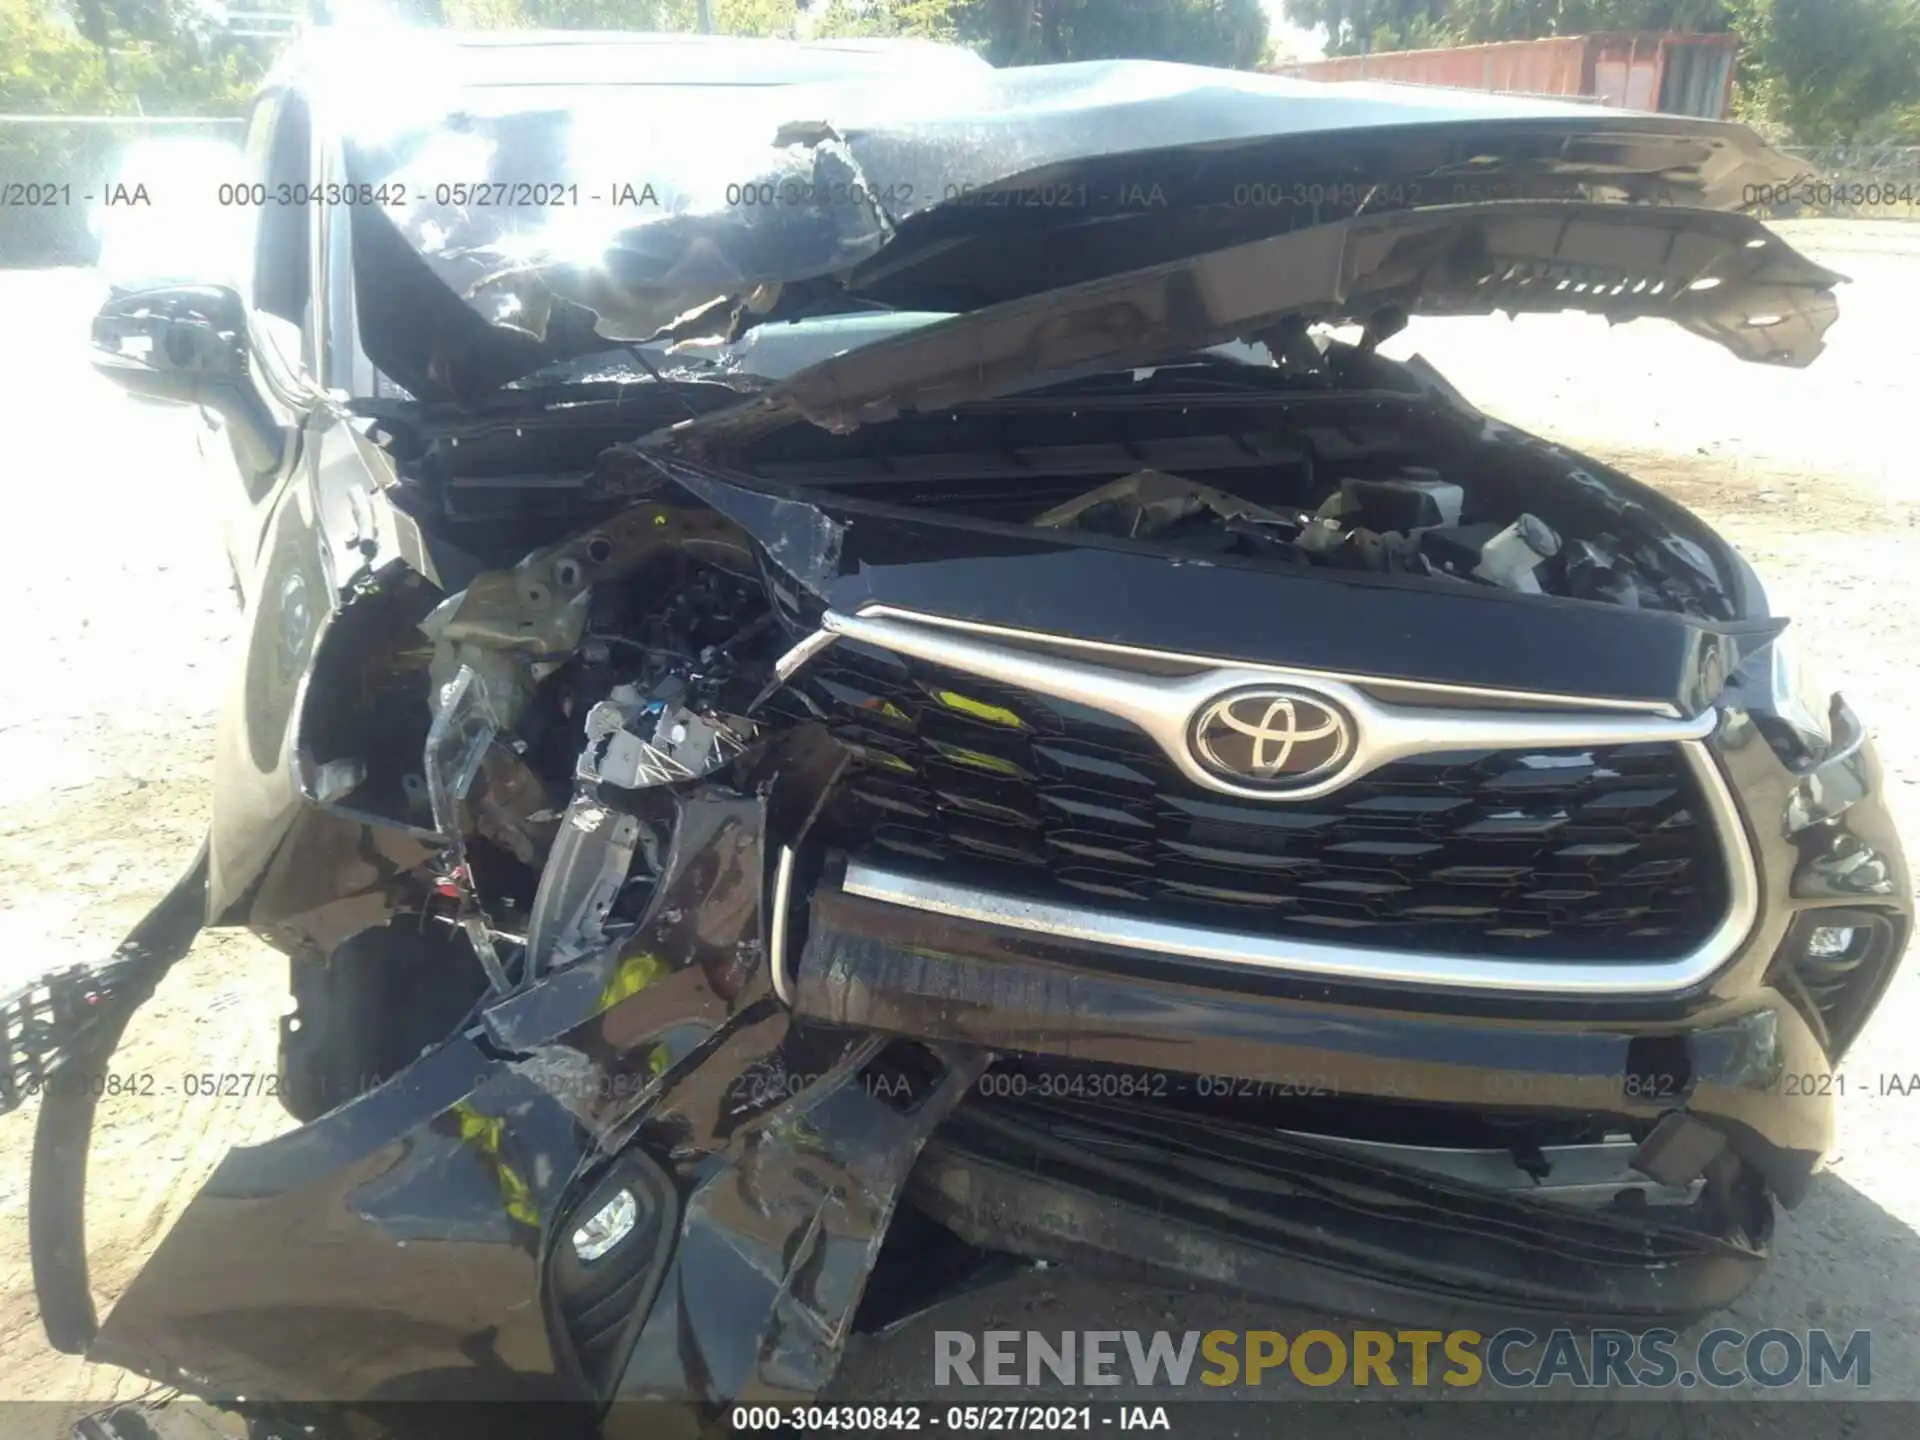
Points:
(1413, 522)
(634, 741)
(1151, 503)
(640, 680)
(1407, 523)
(1415, 499)
(1509, 556)
(656, 739)
(1513, 558)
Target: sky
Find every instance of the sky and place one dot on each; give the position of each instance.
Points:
(1306, 44)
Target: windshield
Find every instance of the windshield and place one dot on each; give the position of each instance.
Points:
(636, 177)
(639, 217)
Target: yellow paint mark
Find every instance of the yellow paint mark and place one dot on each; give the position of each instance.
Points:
(980, 709)
(980, 760)
(635, 974)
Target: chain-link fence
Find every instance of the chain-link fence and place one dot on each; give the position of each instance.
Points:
(1852, 182)
(61, 177)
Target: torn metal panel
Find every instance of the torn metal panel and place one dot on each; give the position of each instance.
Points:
(702, 924)
(801, 541)
(392, 1249)
(634, 742)
(335, 873)
(412, 1244)
(777, 1245)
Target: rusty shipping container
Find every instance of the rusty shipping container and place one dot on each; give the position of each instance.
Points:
(1643, 70)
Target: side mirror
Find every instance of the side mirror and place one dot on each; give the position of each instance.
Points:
(188, 344)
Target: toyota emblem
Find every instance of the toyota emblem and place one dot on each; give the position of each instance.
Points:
(1282, 739)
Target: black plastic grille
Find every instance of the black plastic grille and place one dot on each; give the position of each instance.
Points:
(1577, 853)
(39, 1023)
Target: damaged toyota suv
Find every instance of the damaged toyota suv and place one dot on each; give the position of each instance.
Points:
(855, 665)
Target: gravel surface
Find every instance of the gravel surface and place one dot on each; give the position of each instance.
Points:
(121, 638)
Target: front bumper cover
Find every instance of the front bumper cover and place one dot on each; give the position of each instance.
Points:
(879, 967)
(411, 1243)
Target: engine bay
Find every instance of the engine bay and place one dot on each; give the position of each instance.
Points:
(1405, 523)
(1356, 464)
(567, 689)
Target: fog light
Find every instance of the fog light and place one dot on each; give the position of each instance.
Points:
(606, 1227)
(1830, 942)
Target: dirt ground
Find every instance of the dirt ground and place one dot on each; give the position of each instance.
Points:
(119, 645)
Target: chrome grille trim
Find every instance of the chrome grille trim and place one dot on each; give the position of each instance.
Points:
(1279, 673)
(1317, 960)
(791, 663)
(777, 967)
(1164, 706)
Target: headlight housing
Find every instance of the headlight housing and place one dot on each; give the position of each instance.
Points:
(1800, 700)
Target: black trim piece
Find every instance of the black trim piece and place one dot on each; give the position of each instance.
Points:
(1844, 989)
(1117, 1188)
(57, 1190)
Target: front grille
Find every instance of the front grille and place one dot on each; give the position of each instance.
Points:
(1597, 852)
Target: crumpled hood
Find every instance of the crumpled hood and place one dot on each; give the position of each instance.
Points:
(1724, 277)
(609, 215)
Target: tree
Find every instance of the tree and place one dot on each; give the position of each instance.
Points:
(1899, 125)
(45, 69)
(1830, 70)
(1473, 22)
(48, 68)
(1038, 32)
(910, 19)
(146, 57)
(1357, 27)
(1007, 32)
(776, 18)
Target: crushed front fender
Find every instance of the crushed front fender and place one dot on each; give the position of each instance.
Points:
(654, 1185)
